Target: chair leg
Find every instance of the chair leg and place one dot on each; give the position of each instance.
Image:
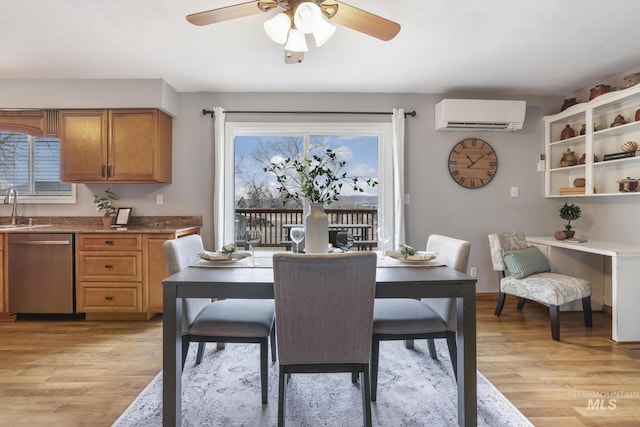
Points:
(366, 397)
(432, 349)
(185, 348)
(409, 344)
(375, 353)
(586, 309)
(554, 316)
(521, 302)
(264, 373)
(220, 345)
(354, 377)
(272, 338)
(501, 298)
(281, 397)
(453, 352)
(201, 345)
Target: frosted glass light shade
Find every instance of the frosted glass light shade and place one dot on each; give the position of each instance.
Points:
(307, 17)
(277, 28)
(296, 41)
(323, 32)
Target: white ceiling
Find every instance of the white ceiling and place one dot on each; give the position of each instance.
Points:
(546, 47)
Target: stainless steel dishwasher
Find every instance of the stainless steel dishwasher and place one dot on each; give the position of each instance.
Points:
(41, 273)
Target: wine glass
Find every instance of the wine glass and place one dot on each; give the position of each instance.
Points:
(344, 240)
(297, 235)
(253, 238)
(384, 234)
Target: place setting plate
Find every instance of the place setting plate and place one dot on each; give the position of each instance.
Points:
(420, 257)
(213, 259)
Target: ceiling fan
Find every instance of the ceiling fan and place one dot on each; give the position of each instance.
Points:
(301, 17)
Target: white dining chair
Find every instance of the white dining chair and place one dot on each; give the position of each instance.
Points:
(409, 319)
(230, 320)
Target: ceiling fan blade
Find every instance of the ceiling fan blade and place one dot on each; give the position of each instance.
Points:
(359, 20)
(231, 12)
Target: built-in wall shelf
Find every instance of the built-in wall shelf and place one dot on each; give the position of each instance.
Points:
(598, 139)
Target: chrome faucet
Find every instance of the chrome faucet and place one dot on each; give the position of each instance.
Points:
(14, 211)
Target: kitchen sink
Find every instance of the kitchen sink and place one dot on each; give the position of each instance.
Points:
(9, 227)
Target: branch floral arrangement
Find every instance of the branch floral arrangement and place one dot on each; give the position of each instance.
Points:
(105, 203)
(318, 179)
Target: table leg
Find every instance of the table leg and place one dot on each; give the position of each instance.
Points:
(466, 343)
(171, 357)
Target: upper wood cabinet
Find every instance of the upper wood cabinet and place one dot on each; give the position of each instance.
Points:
(131, 145)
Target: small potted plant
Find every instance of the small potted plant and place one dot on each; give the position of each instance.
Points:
(104, 204)
(569, 213)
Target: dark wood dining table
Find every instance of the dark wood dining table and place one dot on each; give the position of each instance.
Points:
(257, 282)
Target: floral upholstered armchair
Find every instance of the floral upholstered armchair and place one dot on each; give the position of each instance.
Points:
(530, 278)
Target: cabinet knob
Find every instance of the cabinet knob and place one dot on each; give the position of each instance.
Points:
(108, 266)
(102, 171)
(108, 298)
(108, 242)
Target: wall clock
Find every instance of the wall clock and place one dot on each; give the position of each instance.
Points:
(473, 163)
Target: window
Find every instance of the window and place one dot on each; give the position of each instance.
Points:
(365, 147)
(31, 164)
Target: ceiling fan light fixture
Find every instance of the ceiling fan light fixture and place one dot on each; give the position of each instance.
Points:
(277, 28)
(323, 33)
(296, 41)
(307, 17)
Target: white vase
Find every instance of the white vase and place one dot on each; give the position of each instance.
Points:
(316, 233)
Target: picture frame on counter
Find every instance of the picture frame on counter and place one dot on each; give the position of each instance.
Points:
(123, 216)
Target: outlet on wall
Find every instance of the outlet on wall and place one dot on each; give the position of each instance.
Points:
(159, 199)
(473, 271)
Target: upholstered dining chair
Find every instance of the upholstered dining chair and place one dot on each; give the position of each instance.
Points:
(530, 277)
(324, 307)
(408, 319)
(230, 320)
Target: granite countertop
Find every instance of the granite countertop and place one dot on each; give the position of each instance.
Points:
(140, 224)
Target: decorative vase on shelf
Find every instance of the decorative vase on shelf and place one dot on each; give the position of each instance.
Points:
(316, 233)
(567, 132)
(568, 158)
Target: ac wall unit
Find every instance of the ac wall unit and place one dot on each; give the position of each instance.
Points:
(480, 114)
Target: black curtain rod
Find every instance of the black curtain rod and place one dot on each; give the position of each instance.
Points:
(410, 113)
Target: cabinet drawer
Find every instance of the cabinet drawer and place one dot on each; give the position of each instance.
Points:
(109, 242)
(110, 298)
(110, 266)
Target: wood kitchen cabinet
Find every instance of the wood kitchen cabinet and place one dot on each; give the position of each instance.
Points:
(155, 268)
(4, 290)
(132, 145)
(108, 274)
(119, 275)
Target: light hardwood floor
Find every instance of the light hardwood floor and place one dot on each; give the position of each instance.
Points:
(86, 373)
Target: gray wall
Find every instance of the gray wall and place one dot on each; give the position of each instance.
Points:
(438, 204)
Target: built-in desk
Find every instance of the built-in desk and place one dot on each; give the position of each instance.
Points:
(614, 272)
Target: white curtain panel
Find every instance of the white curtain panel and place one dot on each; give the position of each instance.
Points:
(218, 177)
(397, 144)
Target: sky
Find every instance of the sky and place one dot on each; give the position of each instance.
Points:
(360, 153)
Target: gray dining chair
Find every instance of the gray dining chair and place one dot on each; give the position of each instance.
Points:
(230, 320)
(530, 278)
(324, 307)
(431, 318)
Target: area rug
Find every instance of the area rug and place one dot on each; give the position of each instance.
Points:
(413, 390)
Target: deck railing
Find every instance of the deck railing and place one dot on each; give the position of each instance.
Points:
(270, 221)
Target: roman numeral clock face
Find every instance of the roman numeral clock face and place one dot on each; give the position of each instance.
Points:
(473, 163)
